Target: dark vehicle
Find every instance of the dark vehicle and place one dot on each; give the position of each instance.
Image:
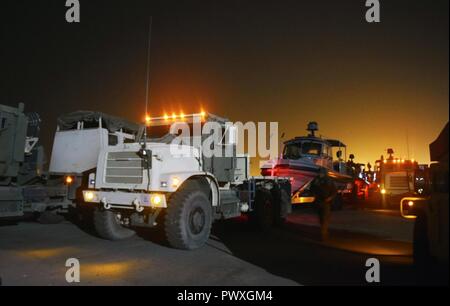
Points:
(24, 185)
(396, 178)
(431, 230)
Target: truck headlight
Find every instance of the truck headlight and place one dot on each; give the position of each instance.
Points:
(88, 196)
(156, 199)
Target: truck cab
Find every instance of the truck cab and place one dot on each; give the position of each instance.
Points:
(78, 140)
(396, 178)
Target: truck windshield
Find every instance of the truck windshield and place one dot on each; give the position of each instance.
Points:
(158, 131)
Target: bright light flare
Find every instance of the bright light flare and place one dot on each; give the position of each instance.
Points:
(175, 182)
(156, 199)
(88, 196)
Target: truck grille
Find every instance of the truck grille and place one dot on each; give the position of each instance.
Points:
(398, 182)
(123, 168)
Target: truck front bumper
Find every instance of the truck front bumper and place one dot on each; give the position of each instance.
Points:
(122, 199)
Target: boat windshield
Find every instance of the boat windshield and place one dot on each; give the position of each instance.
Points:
(311, 148)
(297, 150)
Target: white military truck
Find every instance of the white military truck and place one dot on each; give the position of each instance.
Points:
(78, 139)
(174, 185)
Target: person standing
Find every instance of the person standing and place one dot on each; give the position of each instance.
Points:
(324, 191)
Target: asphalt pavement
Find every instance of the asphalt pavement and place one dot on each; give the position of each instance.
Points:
(236, 254)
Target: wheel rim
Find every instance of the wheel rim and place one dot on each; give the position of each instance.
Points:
(118, 218)
(197, 220)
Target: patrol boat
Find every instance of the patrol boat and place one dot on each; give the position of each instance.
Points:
(301, 160)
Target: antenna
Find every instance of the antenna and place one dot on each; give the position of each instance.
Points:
(407, 144)
(147, 85)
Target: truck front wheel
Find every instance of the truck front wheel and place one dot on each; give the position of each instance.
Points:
(188, 218)
(108, 226)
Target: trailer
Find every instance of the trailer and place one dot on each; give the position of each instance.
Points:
(167, 180)
(26, 185)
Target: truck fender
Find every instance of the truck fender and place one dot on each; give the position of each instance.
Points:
(208, 181)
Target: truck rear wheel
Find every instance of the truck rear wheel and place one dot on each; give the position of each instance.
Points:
(188, 218)
(107, 224)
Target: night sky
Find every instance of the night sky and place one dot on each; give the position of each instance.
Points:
(369, 85)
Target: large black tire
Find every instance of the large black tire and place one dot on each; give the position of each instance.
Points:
(421, 243)
(107, 226)
(188, 218)
(263, 214)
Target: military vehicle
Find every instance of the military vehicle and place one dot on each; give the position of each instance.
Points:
(396, 178)
(430, 209)
(167, 180)
(78, 139)
(26, 186)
